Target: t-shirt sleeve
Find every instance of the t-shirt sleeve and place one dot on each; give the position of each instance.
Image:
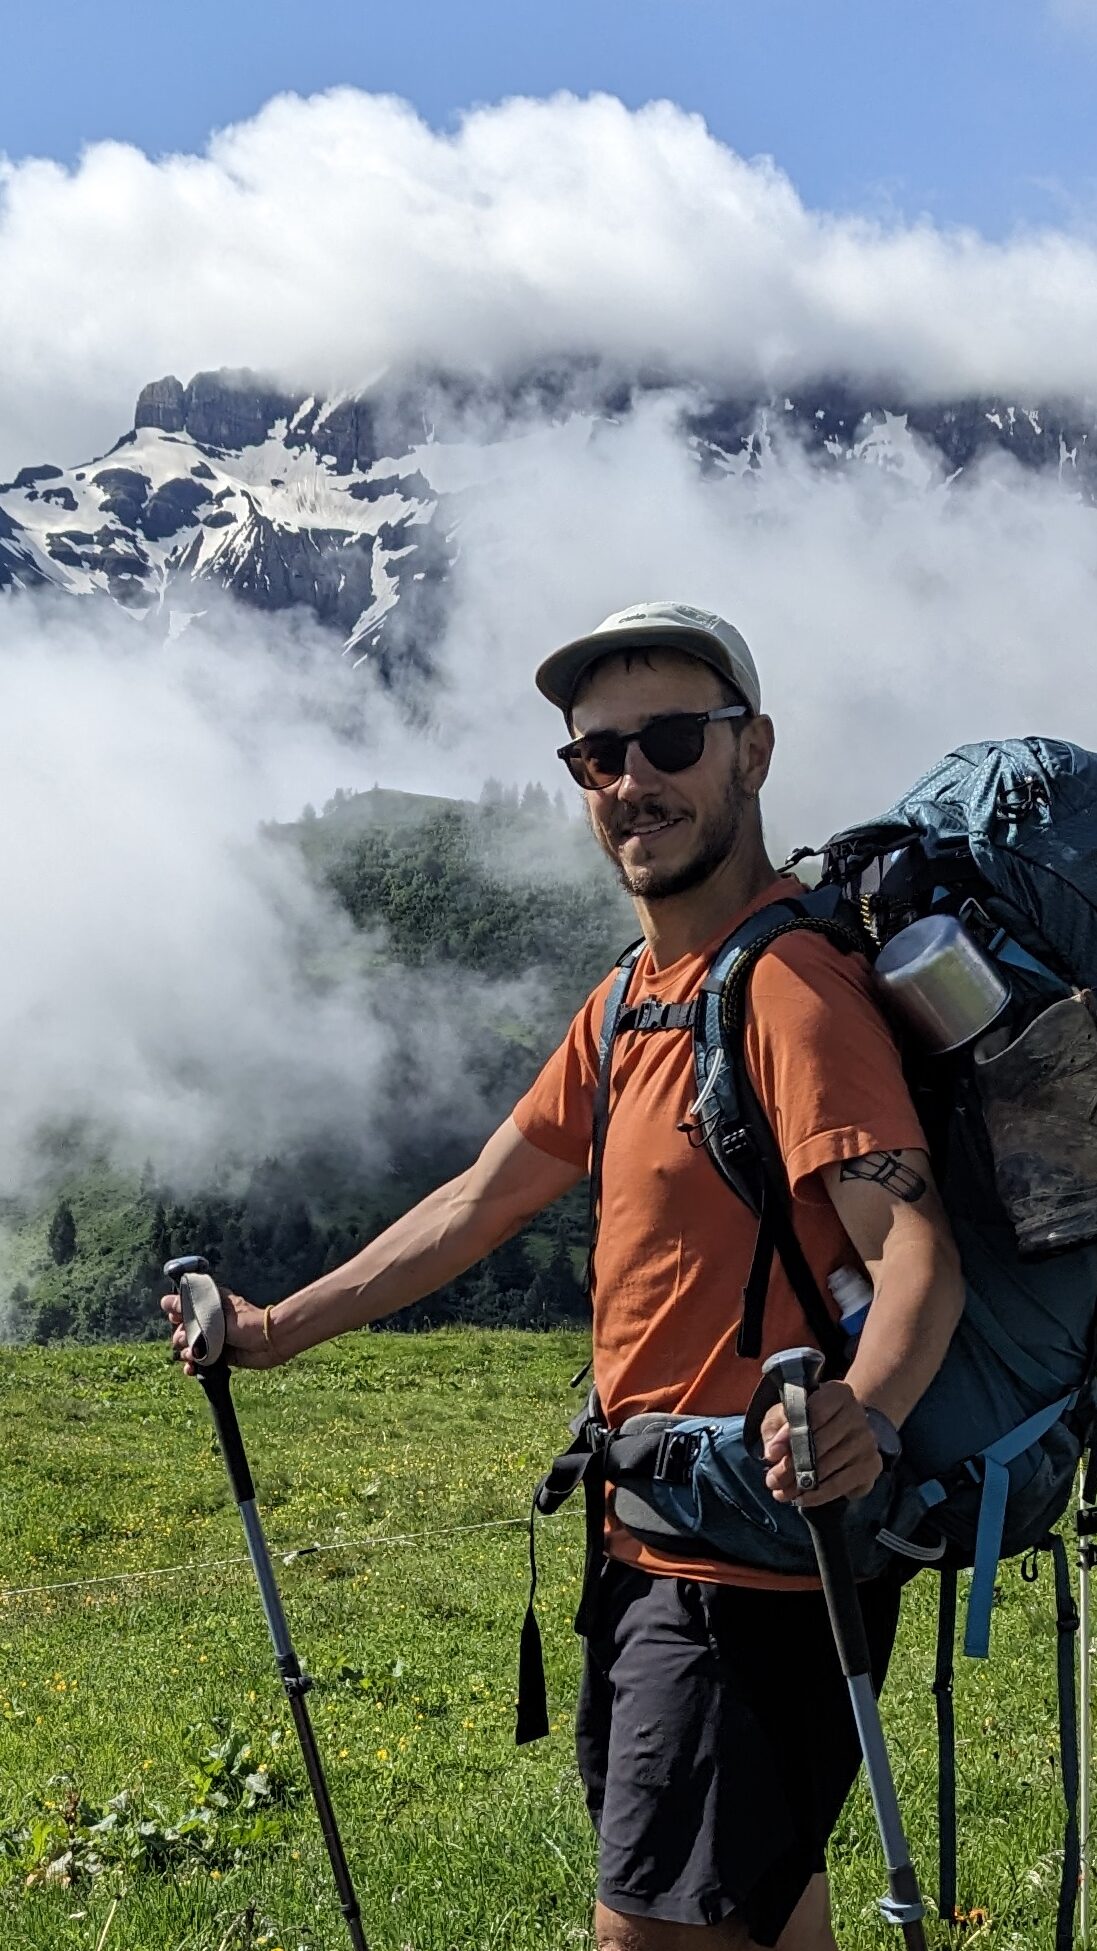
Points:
(823, 1061)
(557, 1112)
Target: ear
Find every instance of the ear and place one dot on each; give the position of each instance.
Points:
(755, 753)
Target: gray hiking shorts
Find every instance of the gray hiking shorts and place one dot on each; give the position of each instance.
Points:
(716, 1744)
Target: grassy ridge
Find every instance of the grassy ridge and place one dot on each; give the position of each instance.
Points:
(163, 1691)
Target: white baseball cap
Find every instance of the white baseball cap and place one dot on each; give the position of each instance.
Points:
(651, 626)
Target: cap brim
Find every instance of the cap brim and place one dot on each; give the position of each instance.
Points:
(558, 677)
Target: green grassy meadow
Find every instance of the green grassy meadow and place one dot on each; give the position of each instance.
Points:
(151, 1792)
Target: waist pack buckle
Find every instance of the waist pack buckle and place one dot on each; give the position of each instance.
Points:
(678, 1452)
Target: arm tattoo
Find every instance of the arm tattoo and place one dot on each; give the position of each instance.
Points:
(886, 1169)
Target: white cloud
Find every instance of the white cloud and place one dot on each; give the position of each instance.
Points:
(155, 972)
(152, 977)
(168, 977)
(330, 238)
(891, 617)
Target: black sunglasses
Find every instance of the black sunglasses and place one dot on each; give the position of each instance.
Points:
(669, 744)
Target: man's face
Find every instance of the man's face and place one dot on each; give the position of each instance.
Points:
(664, 832)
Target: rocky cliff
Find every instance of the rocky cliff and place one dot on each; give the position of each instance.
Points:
(331, 504)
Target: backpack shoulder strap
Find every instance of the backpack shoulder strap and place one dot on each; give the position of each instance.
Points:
(731, 1123)
(615, 1000)
(721, 1017)
(611, 1021)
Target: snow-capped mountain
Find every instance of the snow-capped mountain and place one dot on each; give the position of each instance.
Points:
(282, 502)
(351, 506)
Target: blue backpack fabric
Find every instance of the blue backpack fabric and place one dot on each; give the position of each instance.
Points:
(1002, 835)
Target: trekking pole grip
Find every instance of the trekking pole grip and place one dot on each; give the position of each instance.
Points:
(797, 1373)
(204, 1324)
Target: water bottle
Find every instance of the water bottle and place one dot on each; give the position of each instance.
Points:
(853, 1294)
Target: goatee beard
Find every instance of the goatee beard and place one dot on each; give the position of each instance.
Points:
(715, 840)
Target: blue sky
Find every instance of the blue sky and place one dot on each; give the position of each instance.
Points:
(978, 112)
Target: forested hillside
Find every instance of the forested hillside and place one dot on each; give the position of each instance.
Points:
(494, 907)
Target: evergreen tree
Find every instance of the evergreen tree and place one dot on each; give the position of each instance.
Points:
(510, 1265)
(62, 1234)
(568, 1295)
(160, 1235)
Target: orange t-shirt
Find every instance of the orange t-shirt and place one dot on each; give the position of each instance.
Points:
(674, 1242)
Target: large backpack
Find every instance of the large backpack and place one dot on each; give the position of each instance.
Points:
(1004, 837)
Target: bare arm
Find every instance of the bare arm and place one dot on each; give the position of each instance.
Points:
(446, 1233)
(891, 1210)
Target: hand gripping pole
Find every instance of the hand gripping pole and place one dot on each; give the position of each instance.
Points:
(204, 1324)
(796, 1372)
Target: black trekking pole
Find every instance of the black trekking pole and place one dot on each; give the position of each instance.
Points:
(204, 1323)
(796, 1373)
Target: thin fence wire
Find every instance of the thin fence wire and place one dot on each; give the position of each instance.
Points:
(284, 1553)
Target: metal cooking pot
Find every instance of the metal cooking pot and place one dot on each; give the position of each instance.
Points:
(941, 982)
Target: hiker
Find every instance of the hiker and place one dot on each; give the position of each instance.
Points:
(714, 1734)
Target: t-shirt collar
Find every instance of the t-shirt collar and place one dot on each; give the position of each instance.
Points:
(781, 884)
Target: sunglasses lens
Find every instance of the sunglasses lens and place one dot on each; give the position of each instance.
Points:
(672, 744)
(669, 744)
(597, 761)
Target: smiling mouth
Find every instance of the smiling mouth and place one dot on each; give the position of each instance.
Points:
(646, 832)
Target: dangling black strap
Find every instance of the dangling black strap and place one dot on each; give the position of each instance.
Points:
(777, 1233)
(749, 1339)
(1067, 1622)
(531, 1717)
(828, 1335)
(946, 1746)
(754, 1167)
(584, 1465)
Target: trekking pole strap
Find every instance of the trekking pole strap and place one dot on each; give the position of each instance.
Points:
(204, 1325)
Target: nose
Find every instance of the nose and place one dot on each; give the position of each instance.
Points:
(639, 776)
